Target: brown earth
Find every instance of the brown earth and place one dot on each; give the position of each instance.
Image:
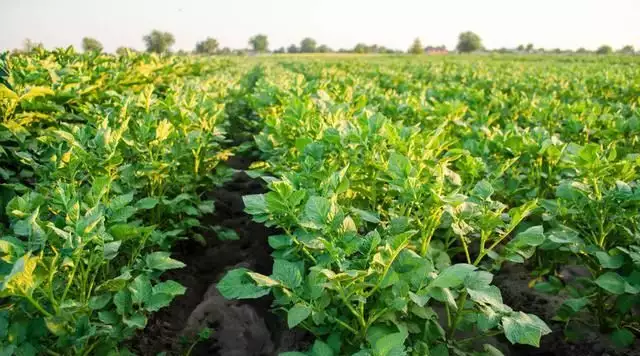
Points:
(249, 328)
(240, 328)
(513, 282)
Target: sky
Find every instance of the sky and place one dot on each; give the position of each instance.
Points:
(566, 24)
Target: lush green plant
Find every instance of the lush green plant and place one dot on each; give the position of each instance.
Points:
(102, 176)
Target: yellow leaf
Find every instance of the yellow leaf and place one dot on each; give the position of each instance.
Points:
(163, 130)
(6, 93)
(21, 280)
(35, 92)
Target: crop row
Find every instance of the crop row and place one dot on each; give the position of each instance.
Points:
(103, 162)
(400, 187)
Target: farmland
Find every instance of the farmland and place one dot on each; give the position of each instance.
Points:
(383, 205)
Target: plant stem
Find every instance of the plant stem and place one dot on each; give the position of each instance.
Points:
(37, 306)
(462, 299)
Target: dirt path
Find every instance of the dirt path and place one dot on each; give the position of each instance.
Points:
(239, 328)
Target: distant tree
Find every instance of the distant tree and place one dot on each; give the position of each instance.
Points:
(91, 45)
(259, 43)
(182, 52)
(360, 48)
(520, 48)
(123, 51)
(416, 47)
(556, 50)
(293, 49)
(225, 51)
(581, 50)
(280, 50)
(628, 49)
(469, 42)
(158, 41)
(324, 49)
(529, 47)
(308, 45)
(28, 45)
(604, 49)
(208, 46)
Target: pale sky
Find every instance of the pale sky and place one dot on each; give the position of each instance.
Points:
(566, 24)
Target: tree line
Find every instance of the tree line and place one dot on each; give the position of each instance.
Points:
(161, 42)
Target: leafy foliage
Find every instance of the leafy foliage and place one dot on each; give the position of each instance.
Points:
(101, 173)
(469, 42)
(158, 41)
(91, 45)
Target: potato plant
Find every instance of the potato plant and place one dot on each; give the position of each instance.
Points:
(400, 187)
(104, 161)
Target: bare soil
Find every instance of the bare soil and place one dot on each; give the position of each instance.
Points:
(513, 283)
(240, 328)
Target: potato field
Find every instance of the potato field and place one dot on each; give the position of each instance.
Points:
(319, 205)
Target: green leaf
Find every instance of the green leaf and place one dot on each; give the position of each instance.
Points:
(207, 207)
(369, 216)
(138, 321)
(390, 345)
(521, 328)
(161, 261)
(488, 295)
(56, 325)
(576, 304)
(99, 301)
(533, 236)
(147, 203)
(320, 348)
(158, 301)
(110, 249)
(623, 338)
(255, 204)
(453, 276)
(317, 211)
(297, 314)
(172, 288)
(608, 261)
(141, 289)
(287, 273)
(420, 298)
(226, 234)
(482, 190)
(439, 350)
(89, 221)
(115, 284)
(122, 215)
(236, 284)
(280, 241)
(478, 280)
(611, 282)
(123, 302)
(443, 295)
(120, 201)
(109, 317)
